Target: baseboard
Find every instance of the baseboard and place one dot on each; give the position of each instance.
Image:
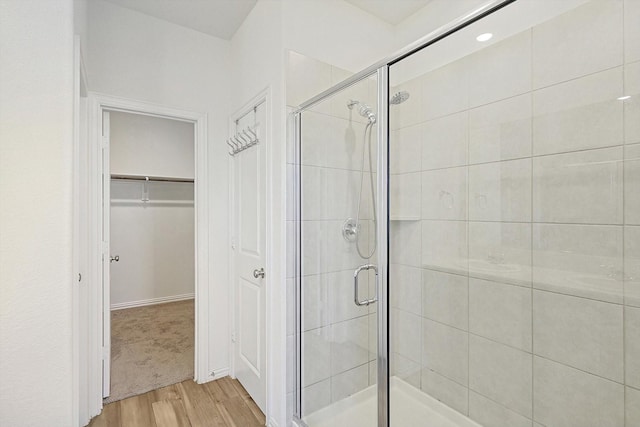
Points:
(152, 301)
(218, 373)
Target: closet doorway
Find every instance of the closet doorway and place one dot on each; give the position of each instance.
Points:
(99, 238)
(149, 222)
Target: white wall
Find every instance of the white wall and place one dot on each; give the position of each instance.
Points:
(36, 100)
(135, 56)
(154, 240)
(151, 146)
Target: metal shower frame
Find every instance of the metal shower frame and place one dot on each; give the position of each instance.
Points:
(381, 71)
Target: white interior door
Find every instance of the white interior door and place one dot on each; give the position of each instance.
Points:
(106, 259)
(249, 259)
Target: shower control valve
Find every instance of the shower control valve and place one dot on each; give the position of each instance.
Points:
(350, 230)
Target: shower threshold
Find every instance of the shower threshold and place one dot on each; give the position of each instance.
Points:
(409, 407)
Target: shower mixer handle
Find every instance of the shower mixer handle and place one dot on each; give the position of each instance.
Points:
(356, 298)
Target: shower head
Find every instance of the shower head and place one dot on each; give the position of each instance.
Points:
(364, 110)
(399, 98)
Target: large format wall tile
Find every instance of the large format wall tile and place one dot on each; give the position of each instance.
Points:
(500, 191)
(445, 141)
(501, 373)
(500, 131)
(316, 345)
(632, 265)
(404, 195)
(444, 194)
(632, 184)
(579, 332)
(448, 392)
(501, 70)
(333, 142)
(567, 397)
(349, 344)
(583, 187)
(582, 41)
(445, 298)
(404, 243)
(632, 346)
(349, 382)
(332, 194)
(582, 260)
(405, 288)
(579, 114)
(339, 295)
(445, 350)
(500, 251)
(631, 32)
(405, 369)
(632, 105)
(491, 414)
(325, 249)
(405, 150)
(410, 112)
(316, 396)
(445, 90)
(406, 334)
(632, 406)
(315, 301)
(444, 246)
(500, 312)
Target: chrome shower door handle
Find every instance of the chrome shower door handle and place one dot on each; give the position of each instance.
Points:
(356, 298)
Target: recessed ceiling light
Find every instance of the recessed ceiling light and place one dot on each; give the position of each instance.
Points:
(484, 37)
(624, 98)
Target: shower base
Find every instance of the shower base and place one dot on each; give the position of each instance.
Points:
(409, 407)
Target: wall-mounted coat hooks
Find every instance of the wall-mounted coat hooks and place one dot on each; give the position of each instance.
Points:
(242, 140)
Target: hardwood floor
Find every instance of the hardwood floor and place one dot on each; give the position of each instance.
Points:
(220, 403)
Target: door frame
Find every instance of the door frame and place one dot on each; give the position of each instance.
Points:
(261, 98)
(99, 324)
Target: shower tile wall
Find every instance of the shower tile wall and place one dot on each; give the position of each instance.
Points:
(339, 339)
(515, 225)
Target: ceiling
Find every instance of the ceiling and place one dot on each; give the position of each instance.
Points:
(219, 18)
(222, 18)
(391, 11)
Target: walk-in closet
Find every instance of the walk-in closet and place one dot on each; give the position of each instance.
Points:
(151, 231)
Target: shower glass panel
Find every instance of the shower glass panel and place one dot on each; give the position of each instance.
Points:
(338, 321)
(514, 228)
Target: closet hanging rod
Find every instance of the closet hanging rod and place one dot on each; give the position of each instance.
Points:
(151, 178)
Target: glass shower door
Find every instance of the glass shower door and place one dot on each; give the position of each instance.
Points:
(337, 163)
(513, 234)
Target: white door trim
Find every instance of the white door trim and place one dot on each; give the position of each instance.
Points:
(97, 104)
(81, 407)
(264, 97)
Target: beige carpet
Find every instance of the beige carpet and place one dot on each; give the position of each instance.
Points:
(151, 347)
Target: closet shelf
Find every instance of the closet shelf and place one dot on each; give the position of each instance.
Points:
(152, 202)
(151, 178)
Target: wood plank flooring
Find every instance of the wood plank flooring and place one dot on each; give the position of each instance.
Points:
(220, 403)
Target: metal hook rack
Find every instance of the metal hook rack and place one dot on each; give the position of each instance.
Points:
(243, 139)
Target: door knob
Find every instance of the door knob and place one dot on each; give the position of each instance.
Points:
(258, 273)
(115, 258)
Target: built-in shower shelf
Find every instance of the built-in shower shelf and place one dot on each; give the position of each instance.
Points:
(404, 218)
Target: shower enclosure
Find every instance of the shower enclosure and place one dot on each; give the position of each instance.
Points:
(468, 227)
